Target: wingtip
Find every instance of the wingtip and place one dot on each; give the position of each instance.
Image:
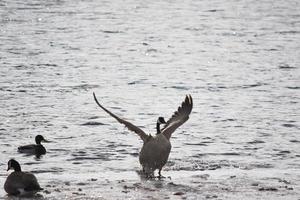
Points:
(95, 98)
(189, 99)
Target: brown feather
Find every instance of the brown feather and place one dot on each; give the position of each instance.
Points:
(129, 125)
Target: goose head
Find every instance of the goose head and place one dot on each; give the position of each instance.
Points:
(160, 121)
(39, 139)
(13, 164)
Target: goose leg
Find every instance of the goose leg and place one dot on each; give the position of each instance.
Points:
(159, 174)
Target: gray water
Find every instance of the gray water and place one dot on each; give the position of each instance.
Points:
(238, 59)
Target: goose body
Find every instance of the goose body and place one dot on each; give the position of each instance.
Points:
(156, 149)
(155, 153)
(37, 149)
(19, 182)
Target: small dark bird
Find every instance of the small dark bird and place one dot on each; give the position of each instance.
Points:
(19, 182)
(156, 149)
(36, 149)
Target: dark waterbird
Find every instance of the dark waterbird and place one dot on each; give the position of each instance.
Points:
(156, 149)
(36, 149)
(19, 182)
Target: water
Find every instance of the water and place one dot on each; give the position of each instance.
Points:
(238, 59)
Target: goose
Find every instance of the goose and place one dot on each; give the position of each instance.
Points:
(156, 149)
(37, 149)
(19, 182)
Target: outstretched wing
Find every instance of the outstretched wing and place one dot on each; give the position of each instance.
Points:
(129, 125)
(179, 117)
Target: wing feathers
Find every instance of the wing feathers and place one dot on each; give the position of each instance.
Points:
(129, 125)
(179, 117)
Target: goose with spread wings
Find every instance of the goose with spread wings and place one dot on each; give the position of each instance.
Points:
(156, 149)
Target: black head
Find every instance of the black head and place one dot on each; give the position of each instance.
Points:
(39, 139)
(13, 164)
(161, 120)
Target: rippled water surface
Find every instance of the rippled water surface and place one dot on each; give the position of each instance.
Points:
(238, 59)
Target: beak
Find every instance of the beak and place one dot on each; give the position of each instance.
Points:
(47, 141)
